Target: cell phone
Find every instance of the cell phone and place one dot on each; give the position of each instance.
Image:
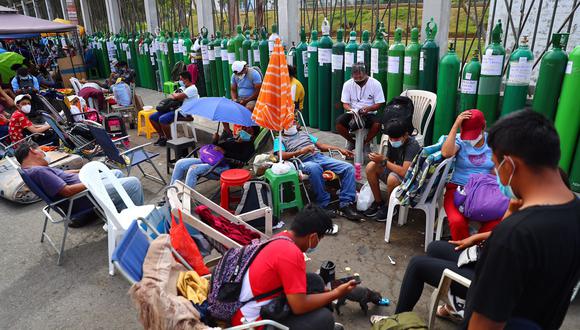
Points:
(338, 282)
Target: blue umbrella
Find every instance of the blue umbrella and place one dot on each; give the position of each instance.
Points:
(219, 109)
(2, 50)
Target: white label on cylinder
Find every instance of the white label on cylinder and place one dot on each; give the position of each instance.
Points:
(324, 56)
(224, 54)
(569, 67)
(184, 50)
(211, 54)
(520, 72)
(468, 86)
(257, 55)
(468, 75)
(250, 57)
(337, 62)
(128, 54)
(421, 62)
(360, 56)
(218, 51)
(492, 65)
(231, 58)
(304, 58)
(306, 69)
(204, 54)
(393, 64)
(271, 46)
(407, 65)
(312, 49)
(348, 60)
(374, 60)
(165, 48)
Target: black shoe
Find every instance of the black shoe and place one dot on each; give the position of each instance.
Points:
(330, 213)
(81, 222)
(381, 215)
(373, 209)
(350, 213)
(160, 142)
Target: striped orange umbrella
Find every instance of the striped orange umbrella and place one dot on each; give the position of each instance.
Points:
(274, 108)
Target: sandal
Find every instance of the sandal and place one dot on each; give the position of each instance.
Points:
(444, 312)
(376, 318)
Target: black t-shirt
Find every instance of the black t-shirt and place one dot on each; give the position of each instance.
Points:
(529, 267)
(405, 153)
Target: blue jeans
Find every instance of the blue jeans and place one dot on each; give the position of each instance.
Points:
(191, 168)
(318, 163)
(163, 118)
(132, 186)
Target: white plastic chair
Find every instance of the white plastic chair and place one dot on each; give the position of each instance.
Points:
(76, 85)
(421, 102)
(96, 176)
(186, 126)
(430, 206)
(440, 293)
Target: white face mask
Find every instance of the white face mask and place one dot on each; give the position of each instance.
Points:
(475, 141)
(292, 130)
(26, 108)
(46, 157)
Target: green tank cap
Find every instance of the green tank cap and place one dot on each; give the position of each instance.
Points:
(431, 29)
(398, 34)
(339, 35)
(415, 34)
(497, 32)
(365, 36)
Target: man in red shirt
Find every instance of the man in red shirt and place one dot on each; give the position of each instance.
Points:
(281, 264)
(20, 126)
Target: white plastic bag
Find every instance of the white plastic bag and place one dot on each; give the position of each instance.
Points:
(365, 198)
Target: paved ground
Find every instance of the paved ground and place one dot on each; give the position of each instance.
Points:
(37, 294)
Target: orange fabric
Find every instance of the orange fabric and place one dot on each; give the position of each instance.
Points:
(274, 108)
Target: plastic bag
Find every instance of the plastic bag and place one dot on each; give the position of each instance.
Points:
(185, 246)
(365, 198)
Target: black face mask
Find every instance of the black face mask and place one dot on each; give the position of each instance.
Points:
(362, 82)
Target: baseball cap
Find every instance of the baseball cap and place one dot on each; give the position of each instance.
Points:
(19, 98)
(238, 66)
(472, 127)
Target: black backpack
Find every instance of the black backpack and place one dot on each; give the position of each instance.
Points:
(256, 195)
(400, 108)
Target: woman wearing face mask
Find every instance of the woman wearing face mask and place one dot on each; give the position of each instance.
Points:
(472, 156)
(20, 126)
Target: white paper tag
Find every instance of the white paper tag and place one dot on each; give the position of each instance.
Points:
(337, 62)
(491, 65)
(348, 60)
(393, 64)
(204, 54)
(211, 54)
(569, 67)
(421, 62)
(270, 46)
(306, 69)
(407, 65)
(520, 72)
(224, 54)
(218, 52)
(256, 55)
(128, 54)
(489, 51)
(304, 58)
(468, 86)
(360, 56)
(166, 48)
(324, 56)
(374, 60)
(312, 49)
(468, 75)
(231, 58)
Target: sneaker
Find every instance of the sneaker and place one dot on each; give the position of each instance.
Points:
(350, 213)
(332, 231)
(330, 213)
(373, 209)
(381, 215)
(338, 326)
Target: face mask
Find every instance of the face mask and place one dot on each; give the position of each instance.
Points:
(182, 84)
(291, 131)
(310, 249)
(396, 144)
(26, 108)
(506, 190)
(360, 81)
(46, 157)
(245, 136)
(476, 141)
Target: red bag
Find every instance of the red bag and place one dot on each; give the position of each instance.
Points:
(185, 245)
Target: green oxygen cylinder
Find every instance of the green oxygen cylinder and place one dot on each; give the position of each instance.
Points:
(568, 114)
(490, 78)
(518, 78)
(138, 60)
(219, 76)
(95, 45)
(469, 81)
(213, 68)
(132, 59)
(350, 55)
(170, 51)
(179, 52)
(337, 77)
(302, 69)
(313, 79)
(264, 52)
(429, 59)
(380, 58)
(272, 39)
(552, 68)
(158, 48)
(205, 61)
(247, 49)
(363, 53)
(187, 44)
(324, 77)
(256, 49)
(231, 55)
(165, 59)
(396, 63)
(238, 41)
(149, 61)
(446, 93)
(198, 61)
(226, 68)
(411, 65)
(575, 170)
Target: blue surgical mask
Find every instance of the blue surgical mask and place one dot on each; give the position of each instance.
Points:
(182, 84)
(396, 144)
(506, 190)
(245, 136)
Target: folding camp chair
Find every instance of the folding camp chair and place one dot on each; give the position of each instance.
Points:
(126, 159)
(74, 142)
(63, 209)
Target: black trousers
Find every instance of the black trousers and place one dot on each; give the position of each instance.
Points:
(428, 269)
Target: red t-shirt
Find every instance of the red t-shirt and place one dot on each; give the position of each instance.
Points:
(18, 122)
(279, 264)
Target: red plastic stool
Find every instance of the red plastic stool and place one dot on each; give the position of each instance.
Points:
(232, 178)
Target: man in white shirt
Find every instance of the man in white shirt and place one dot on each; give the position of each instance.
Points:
(362, 94)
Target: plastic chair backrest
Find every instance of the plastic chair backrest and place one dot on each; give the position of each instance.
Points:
(96, 176)
(131, 251)
(76, 85)
(103, 139)
(421, 102)
(441, 171)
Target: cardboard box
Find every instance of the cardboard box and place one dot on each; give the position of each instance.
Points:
(71, 67)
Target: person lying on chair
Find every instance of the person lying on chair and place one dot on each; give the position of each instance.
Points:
(58, 184)
(299, 144)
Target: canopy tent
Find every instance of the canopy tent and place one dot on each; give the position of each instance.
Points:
(13, 23)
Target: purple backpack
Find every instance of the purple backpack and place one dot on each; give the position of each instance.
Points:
(482, 200)
(210, 155)
(227, 278)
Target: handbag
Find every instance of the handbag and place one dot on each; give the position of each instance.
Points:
(185, 246)
(167, 105)
(210, 155)
(483, 199)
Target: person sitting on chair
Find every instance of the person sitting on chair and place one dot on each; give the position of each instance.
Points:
(391, 168)
(296, 89)
(20, 126)
(58, 184)
(24, 82)
(364, 95)
(307, 148)
(161, 121)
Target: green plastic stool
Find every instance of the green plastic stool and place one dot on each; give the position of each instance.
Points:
(276, 181)
(169, 87)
